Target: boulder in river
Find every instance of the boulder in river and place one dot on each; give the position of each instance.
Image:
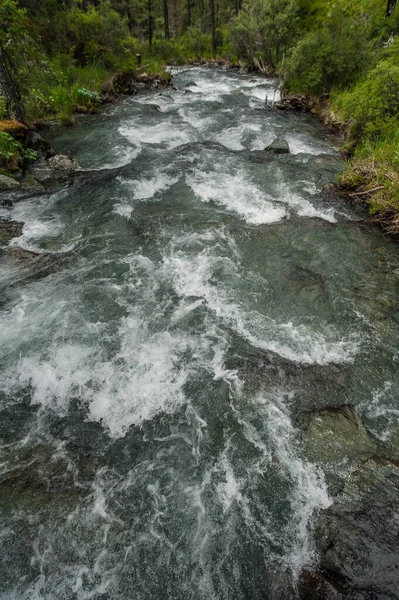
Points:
(53, 170)
(278, 146)
(313, 586)
(9, 230)
(337, 439)
(357, 536)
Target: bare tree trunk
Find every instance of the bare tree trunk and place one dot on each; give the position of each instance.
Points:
(9, 89)
(391, 5)
(175, 19)
(213, 26)
(188, 13)
(150, 30)
(203, 24)
(166, 19)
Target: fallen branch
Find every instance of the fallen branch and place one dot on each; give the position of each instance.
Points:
(380, 187)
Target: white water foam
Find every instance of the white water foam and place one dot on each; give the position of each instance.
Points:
(38, 221)
(148, 187)
(302, 206)
(194, 119)
(192, 276)
(234, 137)
(145, 378)
(308, 493)
(238, 194)
(164, 134)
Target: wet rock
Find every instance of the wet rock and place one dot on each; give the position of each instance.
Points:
(277, 584)
(31, 186)
(39, 264)
(35, 142)
(8, 183)
(313, 586)
(357, 536)
(337, 439)
(278, 146)
(9, 230)
(55, 169)
(37, 477)
(63, 163)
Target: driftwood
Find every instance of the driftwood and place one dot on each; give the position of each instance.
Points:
(380, 187)
(298, 103)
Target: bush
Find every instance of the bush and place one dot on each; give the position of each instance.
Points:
(373, 104)
(12, 152)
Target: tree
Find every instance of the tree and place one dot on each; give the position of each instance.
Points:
(9, 89)
(213, 26)
(391, 5)
(166, 19)
(12, 26)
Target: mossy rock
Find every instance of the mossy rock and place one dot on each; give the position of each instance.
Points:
(13, 127)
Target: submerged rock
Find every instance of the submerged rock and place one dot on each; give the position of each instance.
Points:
(357, 536)
(9, 230)
(337, 439)
(278, 146)
(307, 284)
(39, 264)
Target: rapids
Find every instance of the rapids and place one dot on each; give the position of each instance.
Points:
(151, 387)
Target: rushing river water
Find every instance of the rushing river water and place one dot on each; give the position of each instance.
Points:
(152, 386)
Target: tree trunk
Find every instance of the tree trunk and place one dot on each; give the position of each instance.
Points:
(150, 30)
(213, 26)
(203, 24)
(391, 5)
(9, 89)
(166, 19)
(188, 13)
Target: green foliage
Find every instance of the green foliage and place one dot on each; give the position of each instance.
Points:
(333, 55)
(264, 30)
(373, 104)
(12, 152)
(99, 36)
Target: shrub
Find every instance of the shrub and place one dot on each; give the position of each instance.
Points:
(373, 104)
(12, 152)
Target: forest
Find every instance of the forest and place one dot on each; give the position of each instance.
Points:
(341, 55)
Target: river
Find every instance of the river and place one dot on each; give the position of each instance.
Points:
(152, 386)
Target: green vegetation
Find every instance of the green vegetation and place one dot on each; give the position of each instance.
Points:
(12, 153)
